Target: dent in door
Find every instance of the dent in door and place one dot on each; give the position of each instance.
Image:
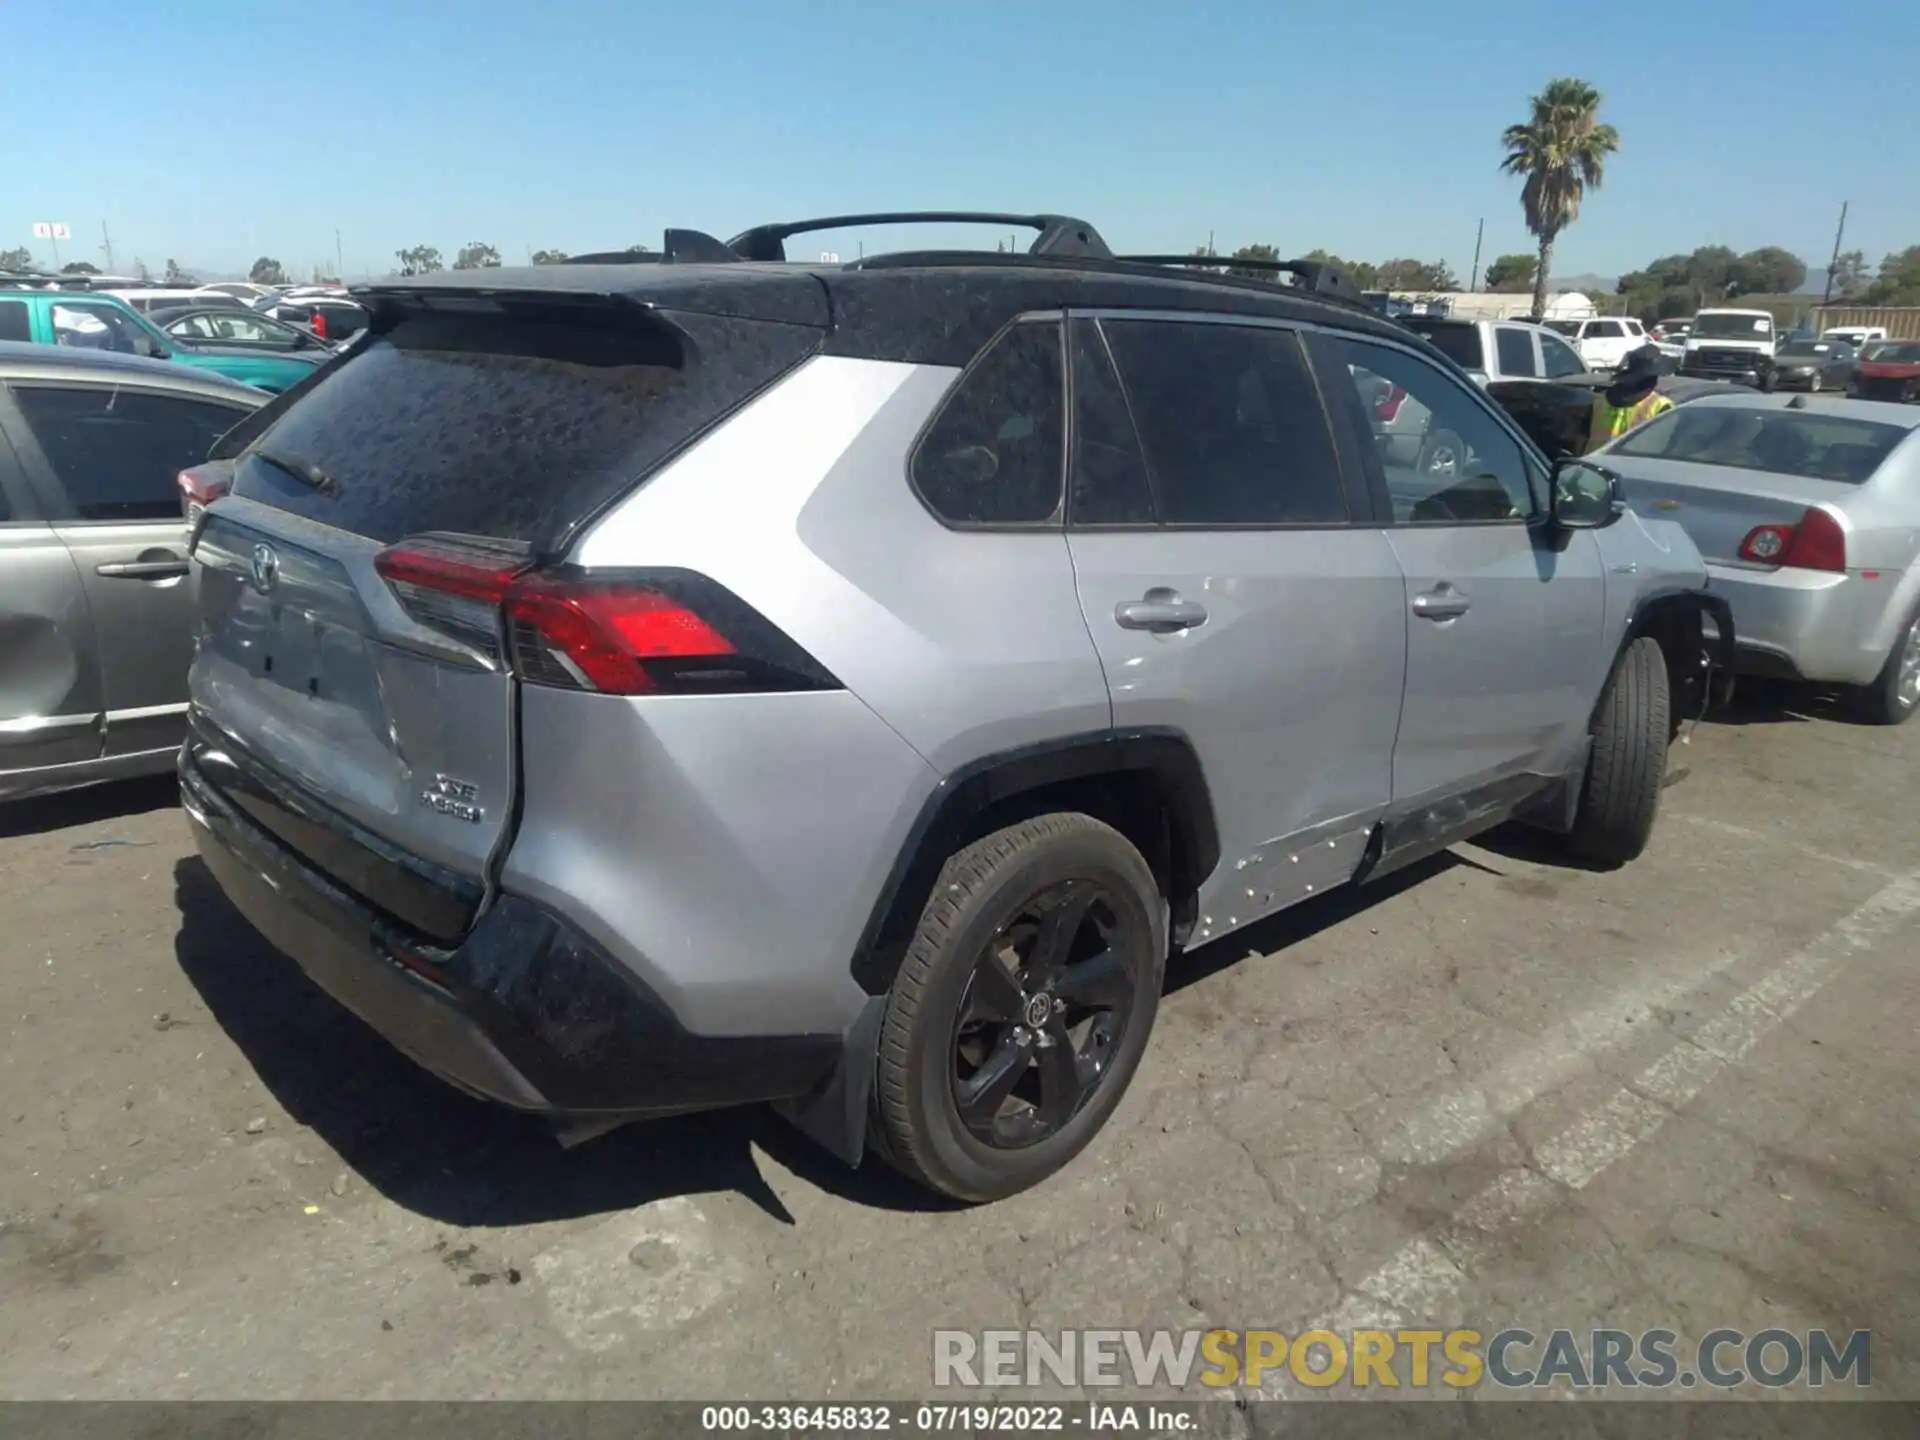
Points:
(50, 706)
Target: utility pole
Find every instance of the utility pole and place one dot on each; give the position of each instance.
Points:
(339, 264)
(106, 244)
(1473, 283)
(1838, 235)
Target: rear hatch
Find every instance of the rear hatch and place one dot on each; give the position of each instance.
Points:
(366, 721)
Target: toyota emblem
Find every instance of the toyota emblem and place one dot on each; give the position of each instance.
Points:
(264, 569)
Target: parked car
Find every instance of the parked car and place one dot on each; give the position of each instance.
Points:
(102, 323)
(211, 328)
(246, 291)
(765, 746)
(1602, 342)
(1858, 336)
(1807, 511)
(1734, 345)
(1890, 371)
(331, 320)
(1814, 365)
(1673, 330)
(150, 298)
(96, 605)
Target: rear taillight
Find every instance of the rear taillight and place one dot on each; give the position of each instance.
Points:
(201, 485)
(631, 633)
(1816, 543)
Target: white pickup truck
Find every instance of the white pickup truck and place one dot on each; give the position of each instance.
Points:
(1734, 345)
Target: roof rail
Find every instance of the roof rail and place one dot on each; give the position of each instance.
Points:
(1316, 277)
(1060, 235)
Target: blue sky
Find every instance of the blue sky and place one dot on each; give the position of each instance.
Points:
(216, 132)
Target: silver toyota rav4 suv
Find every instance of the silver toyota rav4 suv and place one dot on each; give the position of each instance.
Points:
(642, 687)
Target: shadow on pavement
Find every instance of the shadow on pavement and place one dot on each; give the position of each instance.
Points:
(451, 1158)
(115, 801)
(1777, 702)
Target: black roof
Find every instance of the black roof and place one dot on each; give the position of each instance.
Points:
(934, 307)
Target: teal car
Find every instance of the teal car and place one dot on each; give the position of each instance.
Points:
(80, 320)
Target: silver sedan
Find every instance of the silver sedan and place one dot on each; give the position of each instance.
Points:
(1807, 511)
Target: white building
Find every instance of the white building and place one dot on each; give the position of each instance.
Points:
(1485, 305)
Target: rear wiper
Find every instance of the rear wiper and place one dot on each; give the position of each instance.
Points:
(300, 469)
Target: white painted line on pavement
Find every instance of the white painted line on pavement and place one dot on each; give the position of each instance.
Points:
(1421, 1279)
(1776, 839)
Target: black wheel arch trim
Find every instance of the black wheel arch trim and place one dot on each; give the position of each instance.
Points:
(1649, 609)
(963, 796)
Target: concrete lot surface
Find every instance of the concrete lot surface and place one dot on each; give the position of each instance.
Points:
(1496, 1091)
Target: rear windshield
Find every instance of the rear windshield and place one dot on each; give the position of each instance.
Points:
(1565, 327)
(1782, 442)
(1459, 343)
(507, 426)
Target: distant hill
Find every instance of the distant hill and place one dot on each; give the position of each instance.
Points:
(1585, 284)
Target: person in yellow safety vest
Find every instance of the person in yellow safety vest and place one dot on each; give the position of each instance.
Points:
(1630, 400)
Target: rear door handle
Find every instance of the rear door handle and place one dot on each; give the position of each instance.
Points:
(141, 569)
(1161, 613)
(1443, 602)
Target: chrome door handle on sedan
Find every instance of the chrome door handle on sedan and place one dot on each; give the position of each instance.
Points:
(1443, 602)
(142, 569)
(1160, 611)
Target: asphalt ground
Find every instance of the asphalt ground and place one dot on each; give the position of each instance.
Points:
(1496, 1091)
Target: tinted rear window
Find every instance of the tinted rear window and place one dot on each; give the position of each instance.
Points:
(1459, 343)
(509, 426)
(1815, 446)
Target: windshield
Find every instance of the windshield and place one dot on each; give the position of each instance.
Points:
(1732, 327)
(1897, 352)
(1459, 342)
(1565, 327)
(1808, 445)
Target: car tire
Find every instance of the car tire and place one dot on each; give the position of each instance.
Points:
(1768, 379)
(1895, 693)
(983, 1012)
(1814, 384)
(1441, 447)
(1627, 763)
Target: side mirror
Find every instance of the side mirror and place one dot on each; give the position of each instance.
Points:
(1585, 496)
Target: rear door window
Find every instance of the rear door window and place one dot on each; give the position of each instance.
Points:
(96, 327)
(1231, 423)
(115, 453)
(1516, 351)
(994, 454)
(16, 322)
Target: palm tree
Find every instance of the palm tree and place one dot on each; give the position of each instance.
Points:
(1562, 151)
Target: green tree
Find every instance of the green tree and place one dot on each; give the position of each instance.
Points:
(1560, 152)
(1849, 274)
(1204, 253)
(477, 255)
(549, 257)
(420, 260)
(19, 258)
(79, 267)
(1255, 252)
(176, 276)
(267, 271)
(1769, 270)
(1417, 275)
(1899, 279)
(639, 249)
(1512, 274)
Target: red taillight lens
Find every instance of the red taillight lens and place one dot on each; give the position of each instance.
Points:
(320, 323)
(1816, 543)
(604, 634)
(203, 484)
(646, 633)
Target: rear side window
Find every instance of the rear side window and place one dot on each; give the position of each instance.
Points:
(1516, 352)
(117, 453)
(994, 454)
(15, 323)
(1231, 422)
(1561, 358)
(1459, 343)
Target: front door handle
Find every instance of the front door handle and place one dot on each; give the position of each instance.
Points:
(1159, 611)
(1443, 602)
(142, 569)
